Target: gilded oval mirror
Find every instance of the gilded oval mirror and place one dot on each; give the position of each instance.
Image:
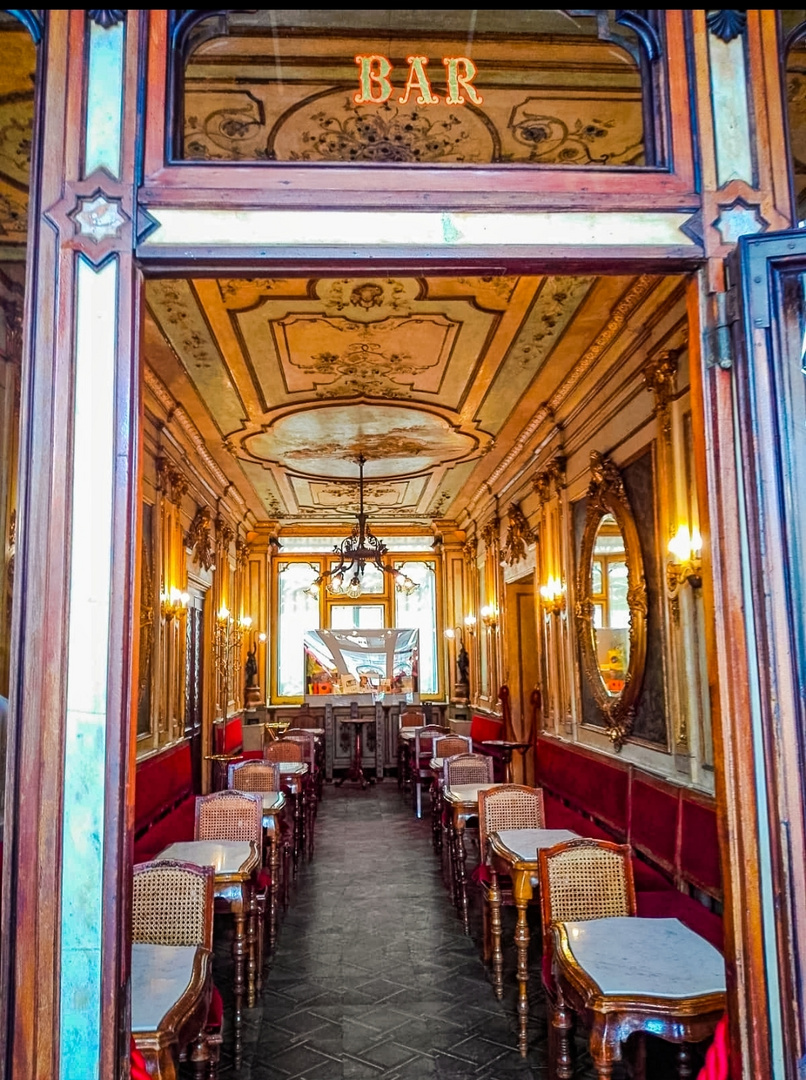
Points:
(611, 600)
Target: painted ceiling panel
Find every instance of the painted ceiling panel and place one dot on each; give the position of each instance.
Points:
(433, 379)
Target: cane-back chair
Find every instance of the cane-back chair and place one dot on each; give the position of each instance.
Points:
(310, 789)
(308, 741)
(420, 768)
(283, 750)
(172, 904)
(582, 879)
(506, 806)
(446, 747)
(264, 776)
(238, 815)
(409, 718)
(468, 769)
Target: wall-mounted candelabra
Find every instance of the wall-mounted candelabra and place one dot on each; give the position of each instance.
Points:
(227, 641)
(552, 596)
(489, 616)
(685, 564)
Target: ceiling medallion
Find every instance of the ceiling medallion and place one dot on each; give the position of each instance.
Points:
(360, 549)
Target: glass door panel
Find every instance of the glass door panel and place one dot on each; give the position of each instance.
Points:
(356, 616)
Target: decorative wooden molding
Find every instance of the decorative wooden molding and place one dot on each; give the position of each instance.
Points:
(469, 550)
(242, 552)
(106, 19)
(726, 24)
(198, 539)
(660, 378)
(550, 477)
(518, 536)
(606, 495)
(171, 481)
(491, 533)
(224, 533)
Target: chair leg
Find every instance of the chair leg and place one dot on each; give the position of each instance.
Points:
(418, 797)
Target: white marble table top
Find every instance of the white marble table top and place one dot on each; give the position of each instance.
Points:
(292, 768)
(225, 856)
(650, 957)
(466, 793)
(160, 976)
(523, 843)
(436, 763)
(273, 800)
(407, 732)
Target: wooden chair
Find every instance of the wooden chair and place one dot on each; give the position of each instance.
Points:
(280, 752)
(409, 718)
(264, 776)
(579, 880)
(311, 783)
(420, 769)
(444, 747)
(238, 815)
(172, 904)
(458, 769)
(507, 806)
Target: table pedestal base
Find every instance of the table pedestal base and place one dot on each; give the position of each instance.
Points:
(356, 771)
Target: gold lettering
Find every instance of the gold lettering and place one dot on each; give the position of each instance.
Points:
(373, 69)
(418, 80)
(455, 80)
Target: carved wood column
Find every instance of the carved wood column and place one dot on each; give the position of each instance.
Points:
(68, 832)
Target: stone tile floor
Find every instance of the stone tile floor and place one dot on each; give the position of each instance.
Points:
(373, 977)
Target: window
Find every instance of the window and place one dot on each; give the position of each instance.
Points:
(423, 87)
(356, 616)
(418, 611)
(297, 611)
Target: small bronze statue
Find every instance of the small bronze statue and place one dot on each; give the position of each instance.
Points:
(251, 667)
(462, 665)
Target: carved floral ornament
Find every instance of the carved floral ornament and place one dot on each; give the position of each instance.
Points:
(199, 539)
(171, 481)
(607, 498)
(224, 534)
(491, 533)
(552, 477)
(660, 378)
(518, 536)
(242, 552)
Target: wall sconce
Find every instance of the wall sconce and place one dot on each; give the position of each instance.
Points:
(173, 602)
(470, 624)
(262, 638)
(489, 616)
(685, 564)
(552, 595)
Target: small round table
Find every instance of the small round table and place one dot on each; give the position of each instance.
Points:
(506, 747)
(356, 772)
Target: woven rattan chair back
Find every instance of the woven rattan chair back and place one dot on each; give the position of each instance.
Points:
(510, 806)
(253, 776)
(412, 718)
(424, 739)
(307, 742)
(281, 751)
(229, 815)
(468, 769)
(448, 745)
(585, 879)
(172, 904)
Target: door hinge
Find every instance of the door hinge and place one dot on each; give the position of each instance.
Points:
(719, 336)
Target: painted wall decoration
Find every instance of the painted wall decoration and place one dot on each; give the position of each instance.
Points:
(537, 98)
(16, 129)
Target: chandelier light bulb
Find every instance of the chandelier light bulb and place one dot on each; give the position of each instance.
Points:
(223, 614)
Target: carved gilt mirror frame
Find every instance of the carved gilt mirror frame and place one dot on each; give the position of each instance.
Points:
(606, 495)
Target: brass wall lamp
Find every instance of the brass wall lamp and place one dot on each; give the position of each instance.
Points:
(685, 564)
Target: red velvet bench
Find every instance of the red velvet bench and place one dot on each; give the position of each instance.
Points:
(483, 728)
(164, 801)
(672, 829)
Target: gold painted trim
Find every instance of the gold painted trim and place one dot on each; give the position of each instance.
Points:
(606, 495)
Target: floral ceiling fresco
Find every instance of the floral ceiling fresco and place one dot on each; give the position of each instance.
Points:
(564, 98)
(285, 381)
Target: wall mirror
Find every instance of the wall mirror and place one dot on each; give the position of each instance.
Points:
(611, 604)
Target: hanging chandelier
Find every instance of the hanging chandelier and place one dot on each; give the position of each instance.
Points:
(360, 549)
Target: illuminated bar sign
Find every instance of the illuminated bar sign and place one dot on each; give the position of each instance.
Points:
(375, 86)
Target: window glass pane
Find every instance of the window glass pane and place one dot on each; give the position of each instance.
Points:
(598, 616)
(618, 609)
(372, 582)
(418, 611)
(417, 86)
(298, 611)
(359, 616)
(596, 578)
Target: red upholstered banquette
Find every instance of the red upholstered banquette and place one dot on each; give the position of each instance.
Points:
(164, 801)
(672, 829)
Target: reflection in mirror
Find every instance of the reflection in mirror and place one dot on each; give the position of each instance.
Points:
(611, 617)
(611, 606)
